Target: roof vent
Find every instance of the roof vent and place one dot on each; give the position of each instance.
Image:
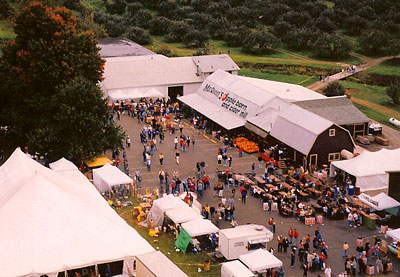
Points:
(197, 69)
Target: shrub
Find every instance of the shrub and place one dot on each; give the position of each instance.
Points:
(334, 89)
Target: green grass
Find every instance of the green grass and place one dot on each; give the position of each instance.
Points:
(279, 77)
(188, 262)
(374, 94)
(389, 67)
(329, 4)
(6, 30)
(377, 116)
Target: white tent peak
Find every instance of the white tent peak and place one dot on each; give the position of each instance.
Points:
(63, 164)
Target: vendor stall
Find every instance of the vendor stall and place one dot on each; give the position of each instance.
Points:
(381, 202)
(199, 227)
(97, 162)
(182, 214)
(235, 269)
(260, 261)
(107, 176)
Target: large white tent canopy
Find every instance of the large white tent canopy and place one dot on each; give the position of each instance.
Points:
(182, 214)
(108, 176)
(51, 224)
(370, 168)
(235, 269)
(134, 93)
(199, 227)
(260, 260)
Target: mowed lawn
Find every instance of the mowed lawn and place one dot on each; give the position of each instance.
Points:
(374, 94)
(390, 67)
(303, 80)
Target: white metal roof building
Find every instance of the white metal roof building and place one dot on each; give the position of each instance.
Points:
(156, 76)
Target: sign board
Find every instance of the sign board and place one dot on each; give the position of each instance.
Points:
(369, 199)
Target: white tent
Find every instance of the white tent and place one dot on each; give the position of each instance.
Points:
(370, 168)
(379, 202)
(157, 264)
(169, 202)
(235, 269)
(107, 176)
(394, 234)
(51, 224)
(260, 260)
(182, 214)
(62, 165)
(199, 227)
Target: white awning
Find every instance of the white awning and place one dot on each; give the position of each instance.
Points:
(182, 214)
(133, 93)
(235, 269)
(212, 111)
(394, 234)
(262, 240)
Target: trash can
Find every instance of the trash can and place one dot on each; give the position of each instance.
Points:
(351, 190)
(206, 265)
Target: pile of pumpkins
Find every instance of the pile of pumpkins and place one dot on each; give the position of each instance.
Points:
(246, 145)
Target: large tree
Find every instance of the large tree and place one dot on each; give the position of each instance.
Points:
(49, 89)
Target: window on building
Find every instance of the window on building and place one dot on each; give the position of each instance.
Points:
(333, 157)
(332, 132)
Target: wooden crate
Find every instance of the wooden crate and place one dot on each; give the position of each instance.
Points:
(382, 141)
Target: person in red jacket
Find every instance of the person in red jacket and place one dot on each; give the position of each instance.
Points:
(290, 235)
(296, 236)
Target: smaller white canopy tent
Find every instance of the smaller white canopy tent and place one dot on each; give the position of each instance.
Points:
(108, 176)
(260, 260)
(169, 202)
(199, 227)
(235, 269)
(379, 202)
(62, 165)
(182, 214)
(157, 264)
(370, 168)
(394, 234)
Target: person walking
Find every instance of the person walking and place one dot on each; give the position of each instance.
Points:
(230, 161)
(177, 154)
(253, 169)
(240, 152)
(176, 142)
(345, 248)
(378, 264)
(292, 258)
(296, 236)
(148, 163)
(305, 270)
(259, 162)
(161, 157)
(290, 235)
(244, 195)
(219, 159)
(128, 141)
(161, 177)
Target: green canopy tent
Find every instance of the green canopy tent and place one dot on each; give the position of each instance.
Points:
(183, 241)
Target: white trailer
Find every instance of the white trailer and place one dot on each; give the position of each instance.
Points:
(237, 241)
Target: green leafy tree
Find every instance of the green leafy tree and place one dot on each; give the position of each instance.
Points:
(373, 42)
(334, 89)
(143, 18)
(116, 7)
(260, 42)
(159, 25)
(332, 46)
(394, 92)
(48, 87)
(177, 30)
(196, 38)
(138, 35)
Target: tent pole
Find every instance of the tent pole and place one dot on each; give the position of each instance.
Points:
(96, 270)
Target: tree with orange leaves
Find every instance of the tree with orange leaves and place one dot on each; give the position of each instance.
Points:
(49, 91)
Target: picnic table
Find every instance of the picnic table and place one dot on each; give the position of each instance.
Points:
(145, 205)
(257, 190)
(274, 178)
(286, 185)
(293, 180)
(316, 206)
(302, 193)
(259, 180)
(244, 178)
(314, 192)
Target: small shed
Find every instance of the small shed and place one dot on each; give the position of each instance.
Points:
(156, 264)
(260, 260)
(237, 241)
(235, 269)
(108, 176)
